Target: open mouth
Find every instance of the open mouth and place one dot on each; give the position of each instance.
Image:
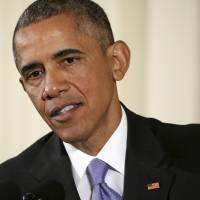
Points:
(64, 112)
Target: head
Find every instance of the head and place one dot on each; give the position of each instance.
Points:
(69, 65)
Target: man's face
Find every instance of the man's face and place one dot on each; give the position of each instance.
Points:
(69, 79)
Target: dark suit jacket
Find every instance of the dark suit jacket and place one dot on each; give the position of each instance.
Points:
(156, 153)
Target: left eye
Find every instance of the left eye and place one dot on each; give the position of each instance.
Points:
(69, 60)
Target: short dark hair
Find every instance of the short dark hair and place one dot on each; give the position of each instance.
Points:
(86, 11)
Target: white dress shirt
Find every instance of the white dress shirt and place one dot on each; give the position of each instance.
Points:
(113, 153)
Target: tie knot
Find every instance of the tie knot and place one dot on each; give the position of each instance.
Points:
(97, 170)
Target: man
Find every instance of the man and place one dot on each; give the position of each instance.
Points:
(69, 64)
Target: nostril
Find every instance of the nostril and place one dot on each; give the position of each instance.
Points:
(49, 97)
(46, 95)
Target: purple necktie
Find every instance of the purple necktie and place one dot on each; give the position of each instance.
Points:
(97, 170)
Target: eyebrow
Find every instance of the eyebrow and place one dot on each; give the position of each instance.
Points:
(28, 67)
(66, 52)
(57, 55)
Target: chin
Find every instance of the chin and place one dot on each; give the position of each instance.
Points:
(71, 136)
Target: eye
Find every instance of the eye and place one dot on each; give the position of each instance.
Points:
(34, 74)
(70, 60)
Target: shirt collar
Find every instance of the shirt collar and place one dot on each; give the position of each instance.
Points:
(113, 152)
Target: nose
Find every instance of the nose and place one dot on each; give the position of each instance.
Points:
(55, 84)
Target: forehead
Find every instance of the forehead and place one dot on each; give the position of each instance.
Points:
(53, 27)
(50, 35)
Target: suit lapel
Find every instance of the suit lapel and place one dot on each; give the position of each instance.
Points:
(145, 162)
(137, 178)
(52, 163)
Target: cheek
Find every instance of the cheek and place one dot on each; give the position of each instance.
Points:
(98, 87)
(103, 81)
(33, 92)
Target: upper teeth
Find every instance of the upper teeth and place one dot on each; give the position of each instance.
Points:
(67, 108)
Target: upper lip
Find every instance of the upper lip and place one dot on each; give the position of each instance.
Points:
(55, 111)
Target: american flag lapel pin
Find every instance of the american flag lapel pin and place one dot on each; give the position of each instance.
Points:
(153, 186)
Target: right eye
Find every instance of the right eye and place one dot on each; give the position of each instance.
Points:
(34, 74)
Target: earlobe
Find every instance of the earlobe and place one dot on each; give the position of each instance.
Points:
(121, 59)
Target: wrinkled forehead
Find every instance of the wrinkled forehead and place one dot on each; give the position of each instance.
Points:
(54, 26)
(54, 30)
(60, 22)
(41, 40)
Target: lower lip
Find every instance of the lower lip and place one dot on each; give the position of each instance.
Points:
(64, 117)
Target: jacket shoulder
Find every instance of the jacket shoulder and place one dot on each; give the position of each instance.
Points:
(179, 142)
(16, 165)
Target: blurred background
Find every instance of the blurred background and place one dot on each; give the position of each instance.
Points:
(163, 80)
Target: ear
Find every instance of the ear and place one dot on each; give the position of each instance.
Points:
(120, 57)
(22, 83)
